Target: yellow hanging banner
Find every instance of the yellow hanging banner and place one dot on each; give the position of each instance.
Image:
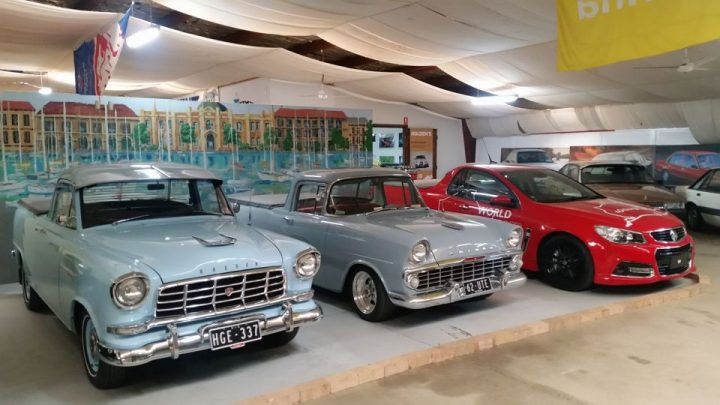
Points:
(594, 33)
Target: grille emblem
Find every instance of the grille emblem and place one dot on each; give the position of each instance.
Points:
(673, 235)
(679, 261)
(228, 291)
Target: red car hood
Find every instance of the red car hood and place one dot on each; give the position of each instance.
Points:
(617, 213)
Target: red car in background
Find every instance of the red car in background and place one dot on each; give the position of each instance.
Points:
(686, 166)
(578, 237)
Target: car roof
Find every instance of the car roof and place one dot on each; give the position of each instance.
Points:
(586, 163)
(504, 167)
(88, 175)
(332, 175)
(696, 152)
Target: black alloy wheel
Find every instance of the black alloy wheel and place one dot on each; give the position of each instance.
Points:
(566, 263)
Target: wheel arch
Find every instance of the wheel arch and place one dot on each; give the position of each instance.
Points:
(554, 234)
(361, 265)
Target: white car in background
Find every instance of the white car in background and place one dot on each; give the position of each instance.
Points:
(537, 157)
(420, 161)
(703, 200)
(624, 156)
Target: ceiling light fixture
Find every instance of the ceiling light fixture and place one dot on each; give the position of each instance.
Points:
(44, 90)
(145, 35)
(489, 100)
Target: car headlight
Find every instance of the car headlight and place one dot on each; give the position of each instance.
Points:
(307, 263)
(618, 235)
(674, 206)
(130, 290)
(514, 238)
(419, 252)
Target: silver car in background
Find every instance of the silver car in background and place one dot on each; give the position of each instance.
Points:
(382, 246)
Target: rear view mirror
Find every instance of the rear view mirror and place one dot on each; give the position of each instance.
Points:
(502, 201)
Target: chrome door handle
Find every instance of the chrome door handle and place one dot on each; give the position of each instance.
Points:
(288, 219)
(41, 230)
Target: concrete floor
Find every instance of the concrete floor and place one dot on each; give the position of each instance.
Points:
(667, 354)
(41, 361)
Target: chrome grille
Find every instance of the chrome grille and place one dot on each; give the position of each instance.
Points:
(665, 235)
(460, 272)
(210, 294)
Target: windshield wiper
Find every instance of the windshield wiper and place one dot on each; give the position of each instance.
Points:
(120, 221)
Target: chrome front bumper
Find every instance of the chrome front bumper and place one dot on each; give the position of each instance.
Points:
(455, 292)
(174, 345)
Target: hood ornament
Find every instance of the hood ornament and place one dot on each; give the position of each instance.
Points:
(224, 240)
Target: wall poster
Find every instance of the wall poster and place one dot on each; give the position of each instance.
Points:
(253, 148)
(422, 156)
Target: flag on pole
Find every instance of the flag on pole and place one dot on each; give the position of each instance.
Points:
(96, 59)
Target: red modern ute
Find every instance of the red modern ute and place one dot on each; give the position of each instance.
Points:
(578, 237)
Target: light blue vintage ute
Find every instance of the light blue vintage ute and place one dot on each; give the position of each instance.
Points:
(382, 245)
(148, 261)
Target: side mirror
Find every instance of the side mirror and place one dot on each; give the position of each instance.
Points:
(502, 201)
(235, 206)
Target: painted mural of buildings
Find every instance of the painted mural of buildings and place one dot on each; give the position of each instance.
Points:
(18, 125)
(97, 128)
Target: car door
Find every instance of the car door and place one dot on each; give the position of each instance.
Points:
(304, 221)
(52, 233)
(471, 192)
(707, 198)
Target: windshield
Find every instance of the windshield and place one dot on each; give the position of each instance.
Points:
(534, 156)
(547, 186)
(359, 196)
(624, 174)
(109, 203)
(709, 161)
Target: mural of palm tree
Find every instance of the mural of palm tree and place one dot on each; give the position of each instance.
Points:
(187, 135)
(140, 136)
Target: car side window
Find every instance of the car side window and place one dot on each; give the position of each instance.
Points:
(712, 185)
(570, 171)
(309, 198)
(675, 159)
(63, 212)
(477, 186)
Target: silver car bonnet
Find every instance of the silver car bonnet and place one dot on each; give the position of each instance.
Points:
(176, 248)
(449, 236)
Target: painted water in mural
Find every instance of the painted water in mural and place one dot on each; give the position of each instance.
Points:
(253, 148)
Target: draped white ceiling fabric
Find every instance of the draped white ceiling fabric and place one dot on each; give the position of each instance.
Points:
(499, 46)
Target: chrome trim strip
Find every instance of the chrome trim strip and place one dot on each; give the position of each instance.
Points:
(137, 328)
(174, 345)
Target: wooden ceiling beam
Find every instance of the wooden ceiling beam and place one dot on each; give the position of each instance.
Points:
(311, 47)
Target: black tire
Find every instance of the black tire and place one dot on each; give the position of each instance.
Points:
(32, 301)
(368, 296)
(102, 375)
(694, 218)
(278, 339)
(566, 263)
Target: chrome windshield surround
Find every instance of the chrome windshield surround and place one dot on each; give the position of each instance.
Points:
(196, 295)
(138, 328)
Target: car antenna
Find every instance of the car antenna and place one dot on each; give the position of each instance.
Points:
(490, 159)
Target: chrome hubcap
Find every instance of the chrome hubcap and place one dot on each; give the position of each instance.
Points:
(364, 292)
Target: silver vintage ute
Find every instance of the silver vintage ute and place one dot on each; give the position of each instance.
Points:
(148, 261)
(383, 246)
